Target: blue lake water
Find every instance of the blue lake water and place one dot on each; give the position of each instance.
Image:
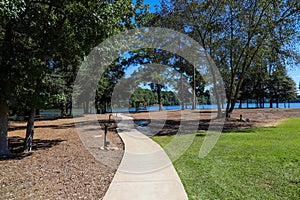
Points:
(55, 113)
(206, 107)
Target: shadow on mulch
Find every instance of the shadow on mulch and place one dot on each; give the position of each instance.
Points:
(63, 126)
(111, 124)
(16, 147)
(171, 127)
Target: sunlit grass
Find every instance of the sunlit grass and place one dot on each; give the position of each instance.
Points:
(261, 163)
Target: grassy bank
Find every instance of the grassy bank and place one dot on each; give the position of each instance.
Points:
(262, 163)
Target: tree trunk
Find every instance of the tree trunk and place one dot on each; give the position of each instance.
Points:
(182, 104)
(63, 111)
(247, 103)
(86, 107)
(4, 150)
(277, 103)
(37, 112)
(194, 105)
(271, 103)
(228, 112)
(217, 95)
(159, 97)
(194, 92)
(240, 106)
(261, 102)
(182, 95)
(70, 108)
(29, 131)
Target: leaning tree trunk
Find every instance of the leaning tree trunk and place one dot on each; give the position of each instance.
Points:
(29, 131)
(4, 150)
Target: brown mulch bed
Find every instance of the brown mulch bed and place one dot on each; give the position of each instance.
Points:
(59, 167)
(168, 122)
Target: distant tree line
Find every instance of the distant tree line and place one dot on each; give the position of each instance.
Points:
(150, 98)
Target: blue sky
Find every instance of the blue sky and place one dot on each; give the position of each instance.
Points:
(152, 3)
(293, 71)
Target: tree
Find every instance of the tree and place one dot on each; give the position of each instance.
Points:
(39, 34)
(10, 75)
(236, 33)
(155, 76)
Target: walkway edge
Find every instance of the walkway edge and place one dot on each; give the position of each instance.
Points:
(145, 172)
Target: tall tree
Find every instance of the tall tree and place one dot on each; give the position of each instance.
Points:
(37, 34)
(234, 33)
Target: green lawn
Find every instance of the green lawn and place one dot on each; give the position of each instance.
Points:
(262, 163)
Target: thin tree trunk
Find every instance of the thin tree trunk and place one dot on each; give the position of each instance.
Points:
(261, 103)
(63, 111)
(194, 90)
(29, 131)
(37, 112)
(216, 87)
(71, 108)
(4, 150)
(159, 97)
(194, 100)
(182, 95)
(220, 114)
(228, 107)
(86, 107)
(240, 106)
(271, 103)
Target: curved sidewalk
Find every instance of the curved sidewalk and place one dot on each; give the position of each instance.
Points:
(145, 172)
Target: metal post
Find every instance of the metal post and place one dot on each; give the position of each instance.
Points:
(109, 118)
(105, 133)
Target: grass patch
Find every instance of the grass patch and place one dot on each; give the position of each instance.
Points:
(261, 163)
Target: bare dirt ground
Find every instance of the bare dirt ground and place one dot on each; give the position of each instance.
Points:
(60, 167)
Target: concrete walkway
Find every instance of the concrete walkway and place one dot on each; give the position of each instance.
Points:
(145, 172)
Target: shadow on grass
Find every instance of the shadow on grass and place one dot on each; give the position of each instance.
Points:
(200, 135)
(16, 147)
(240, 130)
